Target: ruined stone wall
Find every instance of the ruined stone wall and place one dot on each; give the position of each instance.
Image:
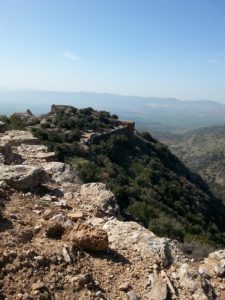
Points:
(129, 124)
(127, 130)
(56, 108)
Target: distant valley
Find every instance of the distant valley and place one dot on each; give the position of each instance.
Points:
(203, 151)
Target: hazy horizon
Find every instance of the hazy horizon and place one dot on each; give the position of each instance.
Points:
(19, 90)
(149, 113)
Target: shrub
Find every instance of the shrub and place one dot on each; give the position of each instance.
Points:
(45, 125)
(74, 135)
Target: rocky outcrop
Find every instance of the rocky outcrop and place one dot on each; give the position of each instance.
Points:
(192, 281)
(17, 138)
(35, 153)
(101, 201)
(62, 173)
(214, 265)
(131, 235)
(23, 177)
(20, 147)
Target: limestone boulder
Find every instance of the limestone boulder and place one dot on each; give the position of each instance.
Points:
(214, 264)
(195, 283)
(23, 177)
(131, 235)
(18, 137)
(100, 200)
(89, 237)
(61, 172)
(33, 153)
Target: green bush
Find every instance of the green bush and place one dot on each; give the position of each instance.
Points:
(74, 135)
(45, 125)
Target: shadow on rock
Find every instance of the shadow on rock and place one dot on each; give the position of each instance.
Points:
(5, 224)
(111, 255)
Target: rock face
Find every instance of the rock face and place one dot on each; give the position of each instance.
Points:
(23, 177)
(89, 237)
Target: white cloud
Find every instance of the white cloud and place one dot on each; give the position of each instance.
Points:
(71, 56)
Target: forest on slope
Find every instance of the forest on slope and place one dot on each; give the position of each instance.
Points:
(203, 151)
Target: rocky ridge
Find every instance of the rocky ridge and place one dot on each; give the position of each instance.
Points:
(61, 239)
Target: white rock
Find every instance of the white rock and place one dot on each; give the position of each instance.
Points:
(63, 219)
(219, 271)
(131, 235)
(159, 289)
(23, 177)
(61, 172)
(100, 199)
(66, 255)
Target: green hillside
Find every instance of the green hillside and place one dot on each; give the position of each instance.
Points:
(150, 183)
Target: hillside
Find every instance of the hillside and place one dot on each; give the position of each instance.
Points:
(150, 184)
(62, 239)
(203, 151)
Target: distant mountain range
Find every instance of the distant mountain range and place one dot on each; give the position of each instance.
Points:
(164, 115)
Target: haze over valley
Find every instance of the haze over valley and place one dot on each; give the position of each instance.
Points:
(159, 115)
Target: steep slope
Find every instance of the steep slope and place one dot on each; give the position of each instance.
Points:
(61, 239)
(203, 151)
(149, 182)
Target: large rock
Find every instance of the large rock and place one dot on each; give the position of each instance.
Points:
(192, 281)
(61, 172)
(6, 154)
(35, 153)
(100, 200)
(18, 137)
(23, 177)
(89, 237)
(132, 236)
(214, 264)
(13, 141)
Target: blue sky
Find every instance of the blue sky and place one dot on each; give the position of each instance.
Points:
(173, 48)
